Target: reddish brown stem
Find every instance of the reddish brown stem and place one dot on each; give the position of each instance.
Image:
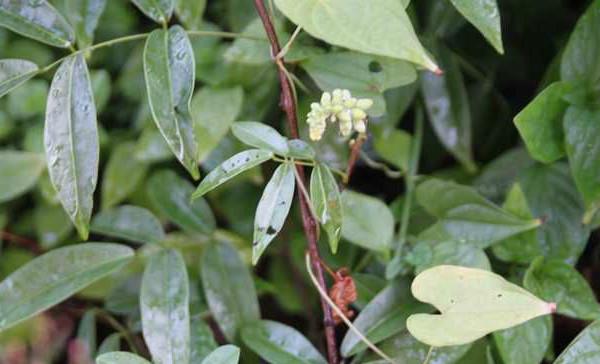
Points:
(354, 153)
(288, 104)
(24, 242)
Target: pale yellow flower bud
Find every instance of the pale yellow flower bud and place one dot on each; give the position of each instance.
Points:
(364, 104)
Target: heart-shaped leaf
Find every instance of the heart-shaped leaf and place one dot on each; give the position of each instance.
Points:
(13, 72)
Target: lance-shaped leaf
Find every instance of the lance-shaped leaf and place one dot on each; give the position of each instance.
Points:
(131, 223)
(485, 16)
(20, 171)
(164, 305)
(54, 276)
(472, 303)
(14, 72)
(169, 69)
(84, 15)
(273, 208)
(71, 140)
(279, 343)
(235, 165)
(380, 27)
(202, 340)
(226, 354)
(261, 136)
(584, 349)
(158, 10)
(122, 175)
(120, 357)
(327, 202)
(38, 20)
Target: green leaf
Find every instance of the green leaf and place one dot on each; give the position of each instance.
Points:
(71, 140)
(485, 16)
(235, 165)
(132, 223)
(364, 75)
(102, 87)
(169, 69)
(152, 147)
(299, 149)
(540, 123)
(367, 222)
(472, 302)
(279, 343)
(381, 28)
(429, 253)
(170, 195)
(190, 12)
(28, 100)
(164, 305)
(54, 276)
(84, 16)
(20, 171)
(214, 110)
(14, 72)
(111, 343)
(226, 354)
(233, 302)
(556, 281)
(123, 174)
(202, 341)
(86, 332)
(158, 10)
(273, 208)
(120, 357)
(52, 225)
(526, 343)
(394, 148)
(584, 349)
(38, 20)
(327, 202)
(261, 136)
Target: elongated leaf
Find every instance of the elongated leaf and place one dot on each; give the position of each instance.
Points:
(472, 302)
(170, 194)
(367, 221)
(122, 175)
(84, 16)
(132, 223)
(111, 343)
(19, 171)
(38, 20)
(158, 10)
(190, 12)
(261, 136)
(120, 357)
(52, 225)
(327, 202)
(86, 333)
(235, 165)
(584, 349)
(273, 208)
(54, 276)
(14, 72)
(71, 141)
(164, 305)
(169, 69)
(233, 302)
(226, 354)
(485, 16)
(526, 343)
(381, 27)
(202, 341)
(279, 343)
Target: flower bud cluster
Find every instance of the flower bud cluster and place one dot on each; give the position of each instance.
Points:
(334, 106)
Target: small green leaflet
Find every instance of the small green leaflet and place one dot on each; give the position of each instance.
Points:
(84, 15)
(71, 140)
(327, 202)
(584, 348)
(226, 354)
(158, 10)
(131, 223)
(38, 20)
(122, 175)
(299, 149)
(120, 357)
(20, 171)
(273, 208)
(261, 136)
(169, 69)
(14, 72)
(485, 16)
(472, 303)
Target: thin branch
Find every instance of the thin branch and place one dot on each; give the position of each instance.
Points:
(354, 154)
(26, 243)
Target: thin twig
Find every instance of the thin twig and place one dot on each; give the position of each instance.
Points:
(29, 244)
(354, 153)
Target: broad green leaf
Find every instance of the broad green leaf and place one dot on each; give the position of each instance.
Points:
(485, 16)
(28, 100)
(367, 221)
(111, 343)
(123, 174)
(447, 105)
(273, 208)
(526, 343)
(213, 111)
(429, 253)
(556, 281)
(131, 223)
(381, 27)
(54, 276)
(226, 354)
(299, 149)
(169, 70)
(235, 165)
(120, 357)
(472, 304)
(164, 305)
(382, 317)
(582, 140)
(327, 202)
(584, 349)
(38, 20)
(202, 341)
(19, 171)
(279, 343)
(363, 74)
(84, 16)
(233, 302)
(261, 136)
(190, 12)
(14, 72)
(71, 141)
(52, 225)
(170, 195)
(540, 123)
(394, 148)
(158, 10)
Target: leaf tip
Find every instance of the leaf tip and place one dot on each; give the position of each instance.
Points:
(551, 307)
